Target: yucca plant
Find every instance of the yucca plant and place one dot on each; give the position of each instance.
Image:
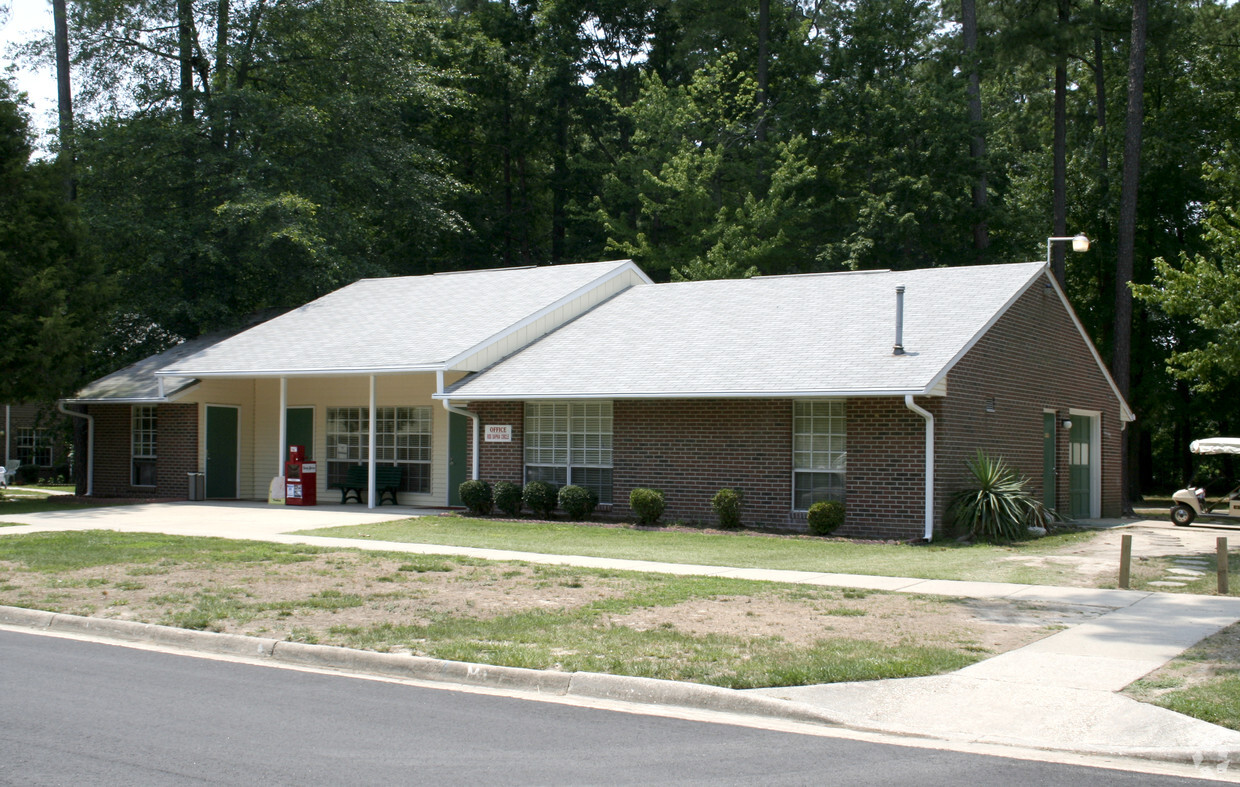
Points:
(999, 507)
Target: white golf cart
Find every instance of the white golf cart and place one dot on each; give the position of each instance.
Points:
(1190, 503)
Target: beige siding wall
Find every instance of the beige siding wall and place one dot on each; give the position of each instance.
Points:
(259, 417)
(549, 322)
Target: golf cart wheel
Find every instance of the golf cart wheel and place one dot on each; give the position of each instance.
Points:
(1183, 515)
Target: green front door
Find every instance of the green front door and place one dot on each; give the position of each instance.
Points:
(458, 445)
(299, 429)
(1080, 464)
(222, 452)
(1048, 460)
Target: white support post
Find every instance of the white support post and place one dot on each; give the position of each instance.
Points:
(370, 483)
(280, 457)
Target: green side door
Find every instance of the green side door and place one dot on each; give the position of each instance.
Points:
(299, 429)
(222, 459)
(1079, 467)
(1048, 460)
(458, 446)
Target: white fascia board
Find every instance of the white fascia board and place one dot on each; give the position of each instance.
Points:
(627, 267)
(512, 397)
(166, 399)
(268, 373)
(941, 377)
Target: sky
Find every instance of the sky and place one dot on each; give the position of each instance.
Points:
(27, 19)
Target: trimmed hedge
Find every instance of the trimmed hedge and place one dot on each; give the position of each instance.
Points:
(540, 497)
(507, 497)
(647, 504)
(727, 506)
(476, 495)
(577, 501)
(825, 517)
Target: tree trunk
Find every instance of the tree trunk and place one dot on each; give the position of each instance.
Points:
(218, 131)
(1059, 184)
(764, 36)
(1121, 360)
(185, 58)
(977, 142)
(64, 95)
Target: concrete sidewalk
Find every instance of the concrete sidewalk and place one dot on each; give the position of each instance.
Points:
(1057, 693)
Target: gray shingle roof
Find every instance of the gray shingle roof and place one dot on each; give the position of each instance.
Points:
(137, 382)
(394, 324)
(784, 335)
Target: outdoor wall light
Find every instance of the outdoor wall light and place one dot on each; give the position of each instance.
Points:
(1079, 243)
(1067, 423)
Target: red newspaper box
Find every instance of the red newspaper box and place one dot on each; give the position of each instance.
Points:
(300, 478)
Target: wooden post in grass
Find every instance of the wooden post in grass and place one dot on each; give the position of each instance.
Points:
(1221, 544)
(1125, 560)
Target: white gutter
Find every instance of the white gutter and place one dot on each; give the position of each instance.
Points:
(90, 444)
(910, 404)
(465, 395)
(8, 428)
(272, 373)
(447, 405)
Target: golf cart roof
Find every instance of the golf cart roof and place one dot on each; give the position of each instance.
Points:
(1216, 445)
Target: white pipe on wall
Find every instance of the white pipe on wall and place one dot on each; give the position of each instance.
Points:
(929, 418)
(447, 405)
(280, 454)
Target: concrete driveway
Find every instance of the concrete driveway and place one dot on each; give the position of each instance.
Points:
(225, 519)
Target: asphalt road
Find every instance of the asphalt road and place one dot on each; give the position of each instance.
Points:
(76, 712)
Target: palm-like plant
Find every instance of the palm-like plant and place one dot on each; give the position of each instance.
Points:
(999, 507)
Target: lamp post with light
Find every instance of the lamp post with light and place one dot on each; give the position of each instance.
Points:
(1079, 243)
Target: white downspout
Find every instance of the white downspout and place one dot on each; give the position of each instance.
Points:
(8, 429)
(370, 481)
(910, 404)
(90, 444)
(447, 405)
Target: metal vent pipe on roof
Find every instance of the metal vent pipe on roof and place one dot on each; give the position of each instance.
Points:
(899, 348)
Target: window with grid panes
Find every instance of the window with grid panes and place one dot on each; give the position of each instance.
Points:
(32, 446)
(570, 443)
(818, 452)
(142, 444)
(402, 438)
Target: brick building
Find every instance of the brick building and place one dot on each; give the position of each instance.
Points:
(33, 436)
(869, 387)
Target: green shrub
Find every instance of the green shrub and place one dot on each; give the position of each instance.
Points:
(540, 497)
(27, 474)
(647, 504)
(476, 495)
(825, 517)
(727, 506)
(507, 497)
(577, 501)
(998, 507)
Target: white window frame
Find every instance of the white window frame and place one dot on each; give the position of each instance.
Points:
(143, 441)
(403, 435)
(819, 452)
(571, 435)
(30, 441)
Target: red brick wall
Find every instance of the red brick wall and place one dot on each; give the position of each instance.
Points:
(884, 482)
(500, 461)
(176, 450)
(690, 449)
(1032, 359)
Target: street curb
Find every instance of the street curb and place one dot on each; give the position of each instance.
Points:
(586, 685)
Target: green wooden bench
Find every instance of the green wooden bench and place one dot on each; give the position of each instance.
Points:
(357, 481)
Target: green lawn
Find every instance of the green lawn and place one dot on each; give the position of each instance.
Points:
(17, 501)
(946, 560)
(98, 572)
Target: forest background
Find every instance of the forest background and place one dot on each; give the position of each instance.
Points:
(221, 159)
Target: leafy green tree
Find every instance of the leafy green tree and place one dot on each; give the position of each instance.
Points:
(53, 287)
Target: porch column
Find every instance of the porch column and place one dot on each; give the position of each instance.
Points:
(283, 416)
(370, 481)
